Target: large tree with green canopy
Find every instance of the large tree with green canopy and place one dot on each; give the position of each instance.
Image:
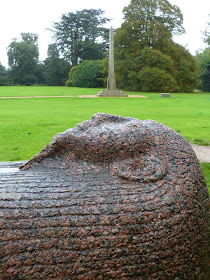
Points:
(145, 40)
(149, 22)
(23, 59)
(81, 35)
(56, 68)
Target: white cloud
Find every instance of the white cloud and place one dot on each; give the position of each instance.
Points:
(195, 18)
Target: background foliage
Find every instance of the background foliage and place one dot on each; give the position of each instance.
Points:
(81, 35)
(23, 58)
(56, 68)
(146, 57)
(204, 61)
(86, 74)
(4, 80)
(145, 40)
(204, 64)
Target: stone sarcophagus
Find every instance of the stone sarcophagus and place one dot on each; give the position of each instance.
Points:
(112, 198)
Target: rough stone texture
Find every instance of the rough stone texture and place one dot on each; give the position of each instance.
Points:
(112, 198)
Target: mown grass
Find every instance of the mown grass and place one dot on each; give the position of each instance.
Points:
(27, 125)
(45, 91)
(206, 172)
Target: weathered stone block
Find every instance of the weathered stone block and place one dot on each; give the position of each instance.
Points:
(165, 95)
(112, 198)
(111, 93)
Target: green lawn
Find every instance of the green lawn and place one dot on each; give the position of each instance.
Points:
(45, 91)
(27, 125)
(206, 171)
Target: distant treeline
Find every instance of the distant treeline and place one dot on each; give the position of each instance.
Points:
(146, 57)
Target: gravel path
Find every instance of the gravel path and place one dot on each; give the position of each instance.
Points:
(62, 96)
(202, 152)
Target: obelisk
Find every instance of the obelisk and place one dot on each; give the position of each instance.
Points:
(111, 84)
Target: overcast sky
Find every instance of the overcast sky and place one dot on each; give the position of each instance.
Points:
(18, 16)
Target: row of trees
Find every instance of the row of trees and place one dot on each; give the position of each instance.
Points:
(25, 67)
(78, 36)
(81, 36)
(146, 57)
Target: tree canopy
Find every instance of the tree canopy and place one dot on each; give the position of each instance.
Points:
(3, 76)
(204, 64)
(81, 35)
(86, 74)
(148, 22)
(146, 56)
(56, 68)
(23, 58)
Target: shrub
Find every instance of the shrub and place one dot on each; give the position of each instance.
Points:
(155, 79)
(69, 81)
(87, 74)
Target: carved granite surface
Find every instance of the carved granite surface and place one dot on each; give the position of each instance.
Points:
(112, 198)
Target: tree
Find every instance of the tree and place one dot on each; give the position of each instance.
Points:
(144, 45)
(86, 74)
(204, 61)
(132, 72)
(149, 22)
(186, 72)
(204, 64)
(156, 79)
(56, 68)
(3, 76)
(155, 71)
(40, 73)
(23, 58)
(81, 35)
(207, 33)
